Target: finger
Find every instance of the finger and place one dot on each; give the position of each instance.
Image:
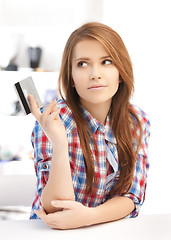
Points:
(53, 116)
(55, 226)
(34, 107)
(48, 110)
(38, 213)
(64, 204)
(41, 216)
(51, 220)
(43, 211)
(54, 108)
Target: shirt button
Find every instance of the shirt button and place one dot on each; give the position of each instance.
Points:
(45, 166)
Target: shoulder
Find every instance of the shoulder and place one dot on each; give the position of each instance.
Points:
(143, 118)
(65, 111)
(66, 115)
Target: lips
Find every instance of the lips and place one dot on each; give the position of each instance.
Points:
(96, 87)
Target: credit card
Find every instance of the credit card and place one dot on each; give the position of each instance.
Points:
(23, 88)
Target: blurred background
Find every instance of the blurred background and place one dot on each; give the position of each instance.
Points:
(33, 35)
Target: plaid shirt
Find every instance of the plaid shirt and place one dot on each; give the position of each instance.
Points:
(107, 150)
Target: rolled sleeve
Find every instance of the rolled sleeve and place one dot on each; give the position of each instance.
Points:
(42, 156)
(138, 188)
(42, 162)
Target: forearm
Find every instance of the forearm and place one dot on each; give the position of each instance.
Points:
(59, 185)
(113, 209)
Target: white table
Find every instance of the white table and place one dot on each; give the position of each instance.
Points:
(145, 227)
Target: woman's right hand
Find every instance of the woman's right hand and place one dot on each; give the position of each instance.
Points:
(50, 122)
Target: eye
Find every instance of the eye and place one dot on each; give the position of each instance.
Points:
(82, 64)
(107, 62)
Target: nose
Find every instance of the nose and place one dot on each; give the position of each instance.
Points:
(95, 73)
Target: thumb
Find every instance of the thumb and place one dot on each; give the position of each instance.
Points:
(63, 204)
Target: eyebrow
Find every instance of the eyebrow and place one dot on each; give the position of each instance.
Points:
(85, 58)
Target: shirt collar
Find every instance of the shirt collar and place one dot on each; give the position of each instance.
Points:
(108, 132)
(96, 125)
(92, 122)
(67, 117)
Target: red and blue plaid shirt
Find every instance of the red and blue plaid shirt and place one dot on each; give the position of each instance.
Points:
(107, 150)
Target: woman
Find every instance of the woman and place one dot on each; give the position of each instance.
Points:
(91, 147)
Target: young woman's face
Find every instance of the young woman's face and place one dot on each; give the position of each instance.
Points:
(96, 79)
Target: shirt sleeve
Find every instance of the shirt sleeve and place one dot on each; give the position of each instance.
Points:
(42, 156)
(138, 188)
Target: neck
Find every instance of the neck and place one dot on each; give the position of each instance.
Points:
(99, 111)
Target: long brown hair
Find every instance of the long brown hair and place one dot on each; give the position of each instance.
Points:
(121, 111)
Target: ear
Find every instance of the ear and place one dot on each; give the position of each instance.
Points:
(73, 84)
(120, 79)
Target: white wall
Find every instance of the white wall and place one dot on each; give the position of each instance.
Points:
(43, 23)
(145, 28)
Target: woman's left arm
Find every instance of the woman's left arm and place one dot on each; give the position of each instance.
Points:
(113, 209)
(75, 214)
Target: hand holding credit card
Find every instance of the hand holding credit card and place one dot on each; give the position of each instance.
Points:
(23, 88)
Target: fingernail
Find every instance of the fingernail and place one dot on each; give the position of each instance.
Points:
(54, 203)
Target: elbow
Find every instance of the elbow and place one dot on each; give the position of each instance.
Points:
(47, 203)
